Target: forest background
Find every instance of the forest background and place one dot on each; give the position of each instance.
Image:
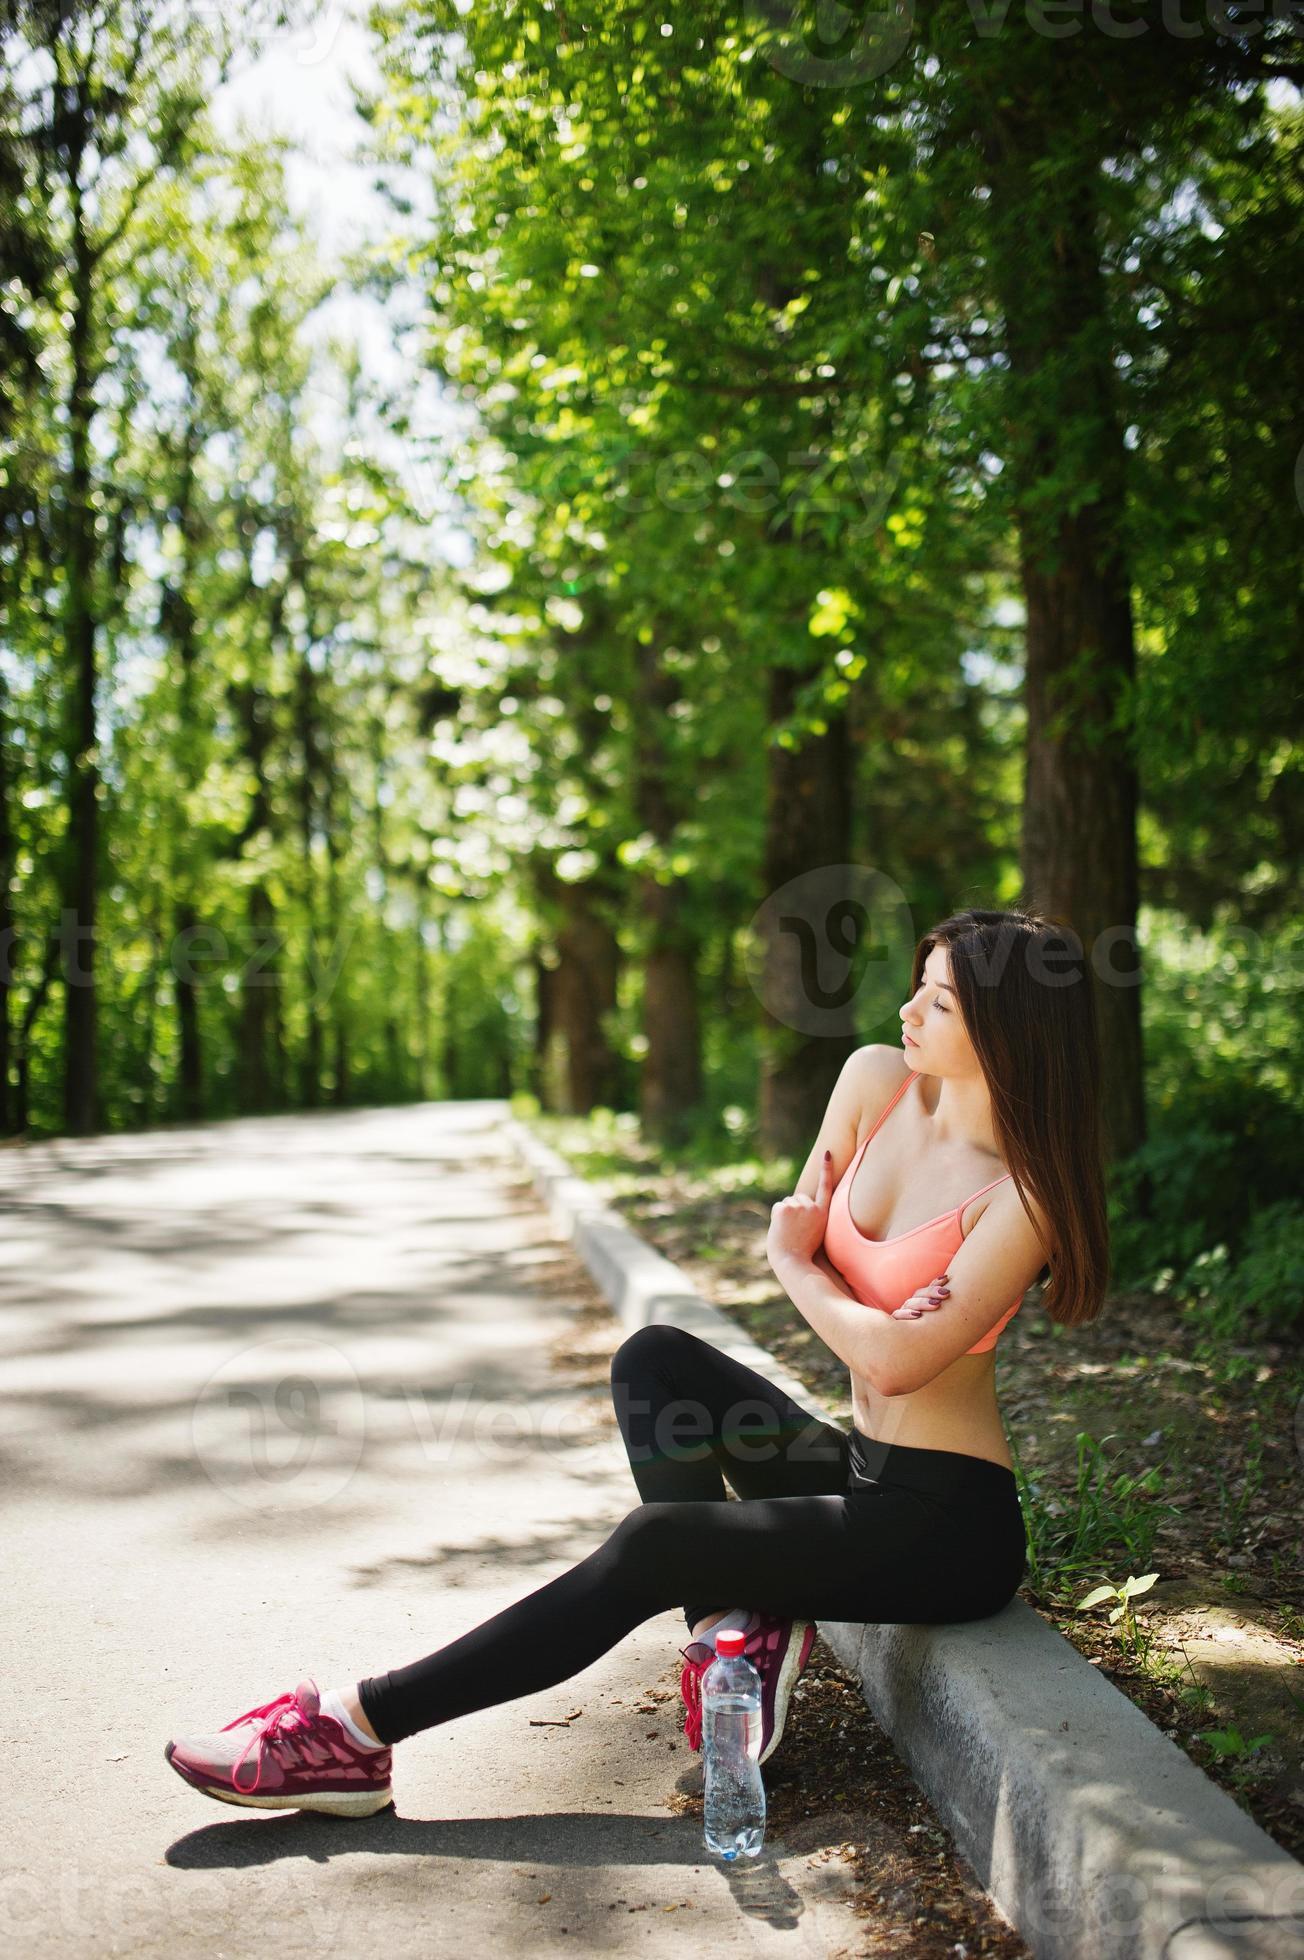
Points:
(795, 490)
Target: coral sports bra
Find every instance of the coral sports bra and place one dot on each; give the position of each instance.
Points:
(884, 1272)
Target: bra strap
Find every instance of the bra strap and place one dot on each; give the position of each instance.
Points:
(891, 1105)
(962, 1208)
(870, 1134)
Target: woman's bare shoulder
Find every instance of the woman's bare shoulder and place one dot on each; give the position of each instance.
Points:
(882, 1071)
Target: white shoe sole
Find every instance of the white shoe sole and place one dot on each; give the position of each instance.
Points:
(788, 1675)
(332, 1803)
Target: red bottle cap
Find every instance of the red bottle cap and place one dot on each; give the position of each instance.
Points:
(731, 1641)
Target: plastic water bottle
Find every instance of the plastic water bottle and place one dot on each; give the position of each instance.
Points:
(734, 1808)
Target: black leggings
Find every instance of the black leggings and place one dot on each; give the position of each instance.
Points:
(830, 1527)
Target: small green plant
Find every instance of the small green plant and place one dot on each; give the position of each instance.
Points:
(1131, 1587)
(1110, 1515)
(1292, 1621)
(1232, 1508)
(1162, 1666)
(1240, 1752)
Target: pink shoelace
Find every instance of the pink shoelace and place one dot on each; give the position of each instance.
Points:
(690, 1689)
(273, 1719)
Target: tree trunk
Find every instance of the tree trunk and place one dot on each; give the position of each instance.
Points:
(1080, 783)
(577, 1066)
(309, 798)
(396, 1082)
(177, 624)
(260, 1049)
(190, 1072)
(35, 1002)
(1080, 804)
(807, 826)
(544, 1022)
(584, 990)
(421, 988)
(671, 1083)
(80, 882)
(260, 1088)
(340, 1079)
(8, 928)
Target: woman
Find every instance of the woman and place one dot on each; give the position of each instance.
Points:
(912, 1517)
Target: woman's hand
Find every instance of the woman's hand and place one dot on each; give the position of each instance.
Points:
(797, 1224)
(924, 1299)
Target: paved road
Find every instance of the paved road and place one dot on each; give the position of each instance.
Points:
(278, 1400)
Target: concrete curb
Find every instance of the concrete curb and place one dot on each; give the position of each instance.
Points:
(1097, 1837)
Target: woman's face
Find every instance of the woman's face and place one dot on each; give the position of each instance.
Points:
(932, 1019)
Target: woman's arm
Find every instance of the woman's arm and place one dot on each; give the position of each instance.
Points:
(826, 1265)
(868, 1342)
(924, 1299)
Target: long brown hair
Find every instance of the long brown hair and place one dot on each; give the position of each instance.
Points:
(1027, 995)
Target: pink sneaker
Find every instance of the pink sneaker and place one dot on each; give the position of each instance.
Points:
(778, 1650)
(291, 1758)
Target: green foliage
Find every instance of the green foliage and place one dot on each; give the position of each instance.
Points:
(1135, 1639)
(1111, 1513)
(771, 386)
(1124, 1594)
(1259, 1294)
(1229, 1745)
(1225, 1149)
(1222, 1015)
(1185, 1169)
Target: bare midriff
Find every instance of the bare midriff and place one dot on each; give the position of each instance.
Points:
(957, 1410)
